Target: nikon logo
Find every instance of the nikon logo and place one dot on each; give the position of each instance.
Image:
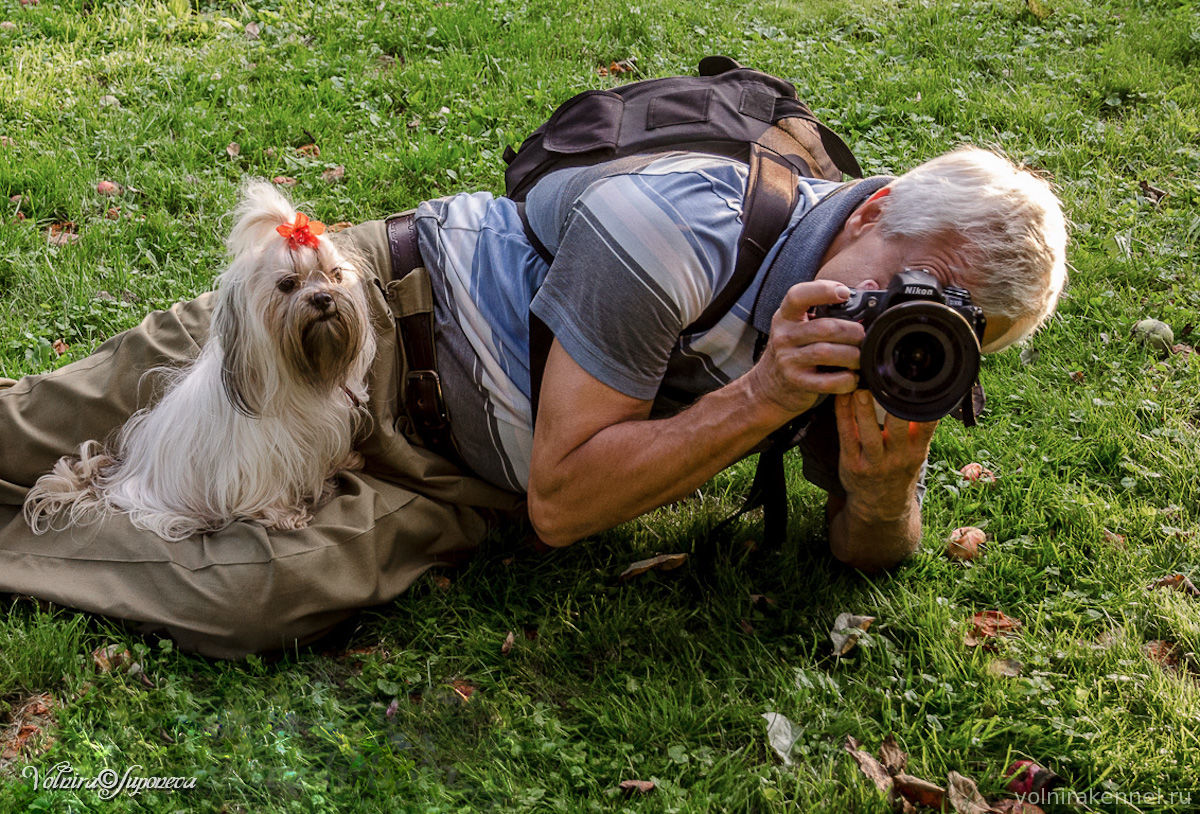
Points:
(919, 290)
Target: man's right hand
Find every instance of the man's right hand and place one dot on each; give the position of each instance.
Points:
(787, 374)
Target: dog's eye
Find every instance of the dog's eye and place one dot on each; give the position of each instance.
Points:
(287, 285)
(336, 274)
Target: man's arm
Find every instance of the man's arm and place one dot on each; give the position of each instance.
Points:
(599, 461)
(878, 523)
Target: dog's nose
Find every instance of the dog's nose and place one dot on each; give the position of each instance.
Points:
(321, 300)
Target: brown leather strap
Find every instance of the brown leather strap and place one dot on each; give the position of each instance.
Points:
(423, 399)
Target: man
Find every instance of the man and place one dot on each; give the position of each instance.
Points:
(640, 249)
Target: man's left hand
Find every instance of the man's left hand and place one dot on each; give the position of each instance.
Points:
(879, 466)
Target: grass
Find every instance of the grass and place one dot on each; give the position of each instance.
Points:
(666, 677)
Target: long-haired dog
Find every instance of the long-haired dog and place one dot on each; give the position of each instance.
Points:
(256, 427)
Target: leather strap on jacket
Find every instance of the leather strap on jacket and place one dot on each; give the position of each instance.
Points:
(413, 311)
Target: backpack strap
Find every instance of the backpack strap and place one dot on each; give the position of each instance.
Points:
(771, 194)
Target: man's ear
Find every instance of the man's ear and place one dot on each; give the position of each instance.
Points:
(867, 214)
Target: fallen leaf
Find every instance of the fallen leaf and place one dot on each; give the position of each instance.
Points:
(392, 709)
(1005, 668)
(602, 71)
(61, 234)
(976, 473)
(251, 31)
(663, 562)
(109, 100)
(963, 543)
(109, 188)
(868, 765)
(1163, 653)
(1152, 193)
(919, 791)
(847, 629)
(1029, 355)
(113, 213)
(989, 625)
(233, 149)
(463, 689)
(893, 757)
(782, 734)
(309, 149)
(746, 627)
(964, 795)
(637, 786)
(507, 646)
(30, 719)
(7, 25)
(110, 657)
(60, 347)
(1077, 376)
(284, 181)
(338, 227)
(1179, 582)
(334, 174)
(1112, 538)
(442, 582)
(1182, 349)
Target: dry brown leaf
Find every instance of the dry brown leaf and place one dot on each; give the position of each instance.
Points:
(60, 347)
(252, 31)
(1163, 653)
(975, 473)
(309, 149)
(109, 188)
(989, 625)
(1028, 777)
(1151, 192)
(1005, 668)
(25, 733)
(964, 795)
(463, 689)
(284, 181)
(637, 786)
(340, 226)
(61, 234)
(333, 175)
(1179, 582)
(113, 213)
(110, 657)
(1112, 538)
(442, 582)
(507, 646)
(869, 766)
(233, 149)
(919, 791)
(892, 756)
(1077, 376)
(663, 562)
(847, 629)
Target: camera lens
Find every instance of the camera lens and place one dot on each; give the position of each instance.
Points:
(919, 359)
(918, 356)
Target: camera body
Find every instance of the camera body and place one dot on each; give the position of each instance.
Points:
(920, 357)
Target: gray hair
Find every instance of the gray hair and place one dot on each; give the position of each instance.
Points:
(1009, 218)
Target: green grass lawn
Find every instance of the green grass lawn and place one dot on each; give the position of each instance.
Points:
(666, 677)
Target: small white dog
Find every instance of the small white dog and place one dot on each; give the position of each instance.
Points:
(258, 425)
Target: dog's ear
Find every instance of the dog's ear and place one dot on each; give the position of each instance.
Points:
(241, 373)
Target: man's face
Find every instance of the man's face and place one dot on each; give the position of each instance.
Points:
(863, 257)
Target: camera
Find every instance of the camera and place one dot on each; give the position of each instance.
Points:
(920, 356)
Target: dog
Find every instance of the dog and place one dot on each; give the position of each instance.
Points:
(259, 424)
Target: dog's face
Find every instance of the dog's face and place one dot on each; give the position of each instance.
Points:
(288, 320)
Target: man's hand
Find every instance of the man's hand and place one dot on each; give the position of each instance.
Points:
(880, 522)
(787, 375)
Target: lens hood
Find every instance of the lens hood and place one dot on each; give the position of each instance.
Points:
(919, 359)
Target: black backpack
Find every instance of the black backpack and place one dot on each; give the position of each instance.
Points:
(726, 110)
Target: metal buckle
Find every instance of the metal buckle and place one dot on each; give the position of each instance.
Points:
(423, 396)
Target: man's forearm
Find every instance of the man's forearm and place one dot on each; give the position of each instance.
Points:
(629, 468)
(864, 538)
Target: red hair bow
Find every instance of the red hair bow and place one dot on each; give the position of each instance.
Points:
(301, 233)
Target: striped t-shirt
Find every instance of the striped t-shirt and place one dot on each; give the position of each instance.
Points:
(639, 253)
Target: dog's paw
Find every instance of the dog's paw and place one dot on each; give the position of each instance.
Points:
(286, 518)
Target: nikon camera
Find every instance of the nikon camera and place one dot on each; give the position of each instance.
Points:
(920, 357)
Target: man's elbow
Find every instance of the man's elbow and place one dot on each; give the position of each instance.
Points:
(550, 522)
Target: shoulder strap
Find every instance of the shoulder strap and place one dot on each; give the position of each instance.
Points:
(771, 194)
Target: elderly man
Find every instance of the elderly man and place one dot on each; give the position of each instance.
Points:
(634, 411)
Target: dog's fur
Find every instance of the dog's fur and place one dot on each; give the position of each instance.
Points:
(258, 425)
